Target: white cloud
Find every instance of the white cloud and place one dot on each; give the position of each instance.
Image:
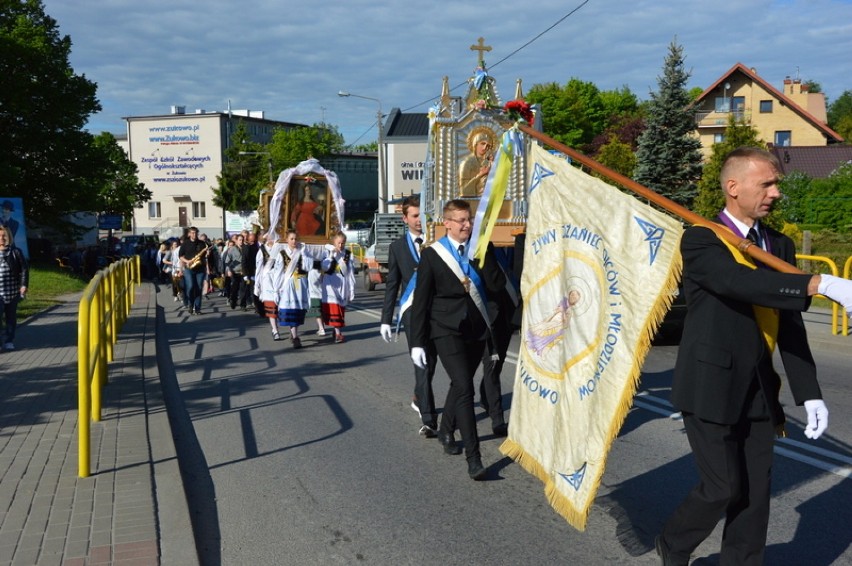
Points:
(291, 58)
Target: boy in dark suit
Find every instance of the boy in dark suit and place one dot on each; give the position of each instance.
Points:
(403, 257)
(449, 311)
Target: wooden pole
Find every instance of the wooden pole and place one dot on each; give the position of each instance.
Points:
(744, 245)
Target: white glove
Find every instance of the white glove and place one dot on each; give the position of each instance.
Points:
(418, 356)
(387, 334)
(838, 290)
(817, 418)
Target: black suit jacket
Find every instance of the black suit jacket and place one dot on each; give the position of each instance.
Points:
(442, 306)
(401, 267)
(722, 349)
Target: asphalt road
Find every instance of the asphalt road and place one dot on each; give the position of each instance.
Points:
(313, 457)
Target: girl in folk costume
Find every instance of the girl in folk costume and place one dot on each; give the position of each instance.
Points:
(264, 287)
(338, 285)
(290, 272)
(315, 286)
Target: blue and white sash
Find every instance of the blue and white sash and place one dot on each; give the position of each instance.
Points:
(461, 269)
(407, 298)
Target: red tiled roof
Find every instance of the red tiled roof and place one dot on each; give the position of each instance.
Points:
(816, 161)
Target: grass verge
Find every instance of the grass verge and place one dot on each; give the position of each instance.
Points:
(46, 284)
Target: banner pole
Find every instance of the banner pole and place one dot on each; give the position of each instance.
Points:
(744, 245)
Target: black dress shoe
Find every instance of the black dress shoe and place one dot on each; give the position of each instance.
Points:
(475, 469)
(500, 430)
(663, 554)
(449, 443)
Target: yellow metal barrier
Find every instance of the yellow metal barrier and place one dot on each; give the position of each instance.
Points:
(104, 308)
(358, 251)
(847, 271)
(834, 307)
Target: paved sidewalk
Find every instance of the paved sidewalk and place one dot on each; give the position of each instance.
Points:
(132, 508)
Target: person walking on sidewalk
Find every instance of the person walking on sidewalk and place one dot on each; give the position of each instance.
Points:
(14, 278)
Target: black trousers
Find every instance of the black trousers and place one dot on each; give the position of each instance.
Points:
(490, 388)
(424, 398)
(734, 466)
(238, 290)
(460, 359)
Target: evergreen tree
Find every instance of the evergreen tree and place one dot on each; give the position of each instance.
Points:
(245, 173)
(45, 156)
(669, 156)
(711, 199)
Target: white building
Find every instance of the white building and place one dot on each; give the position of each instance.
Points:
(179, 157)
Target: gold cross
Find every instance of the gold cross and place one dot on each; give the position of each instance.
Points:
(481, 47)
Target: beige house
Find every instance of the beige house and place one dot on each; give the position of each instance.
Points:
(179, 157)
(793, 116)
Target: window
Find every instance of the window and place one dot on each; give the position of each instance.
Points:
(783, 138)
(154, 210)
(765, 106)
(718, 138)
(723, 104)
(199, 210)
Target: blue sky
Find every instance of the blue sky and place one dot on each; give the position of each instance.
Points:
(290, 58)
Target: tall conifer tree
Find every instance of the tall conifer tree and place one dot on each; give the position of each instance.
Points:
(669, 156)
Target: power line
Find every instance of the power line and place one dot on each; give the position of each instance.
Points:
(515, 52)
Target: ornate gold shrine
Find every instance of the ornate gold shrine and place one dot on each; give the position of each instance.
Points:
(451, 145)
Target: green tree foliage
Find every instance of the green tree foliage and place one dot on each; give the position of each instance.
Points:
(574, 114)
(116, 184)
(618, 156)
(245, 172)
(291, 147)
(829, 201)
(840, 115)
(795, 188)
(813, 86)
(711, 199)
(45, 156)
(669, 156)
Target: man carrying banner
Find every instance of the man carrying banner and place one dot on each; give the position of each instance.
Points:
(724, 382)
(449, 311)
(403, 257)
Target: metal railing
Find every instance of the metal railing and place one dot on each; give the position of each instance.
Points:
(847, 274)
(104, 308)
(835, 309)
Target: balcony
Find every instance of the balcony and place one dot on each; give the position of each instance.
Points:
(715, 119)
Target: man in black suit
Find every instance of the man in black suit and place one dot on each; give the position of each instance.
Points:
(724, 382)
(450, 312)
(403, 257)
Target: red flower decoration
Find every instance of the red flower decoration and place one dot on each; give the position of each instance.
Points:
(518, 109)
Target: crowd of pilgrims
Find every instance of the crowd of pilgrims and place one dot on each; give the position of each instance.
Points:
(285, 282)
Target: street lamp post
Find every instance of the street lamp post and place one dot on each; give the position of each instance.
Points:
(383, 181)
